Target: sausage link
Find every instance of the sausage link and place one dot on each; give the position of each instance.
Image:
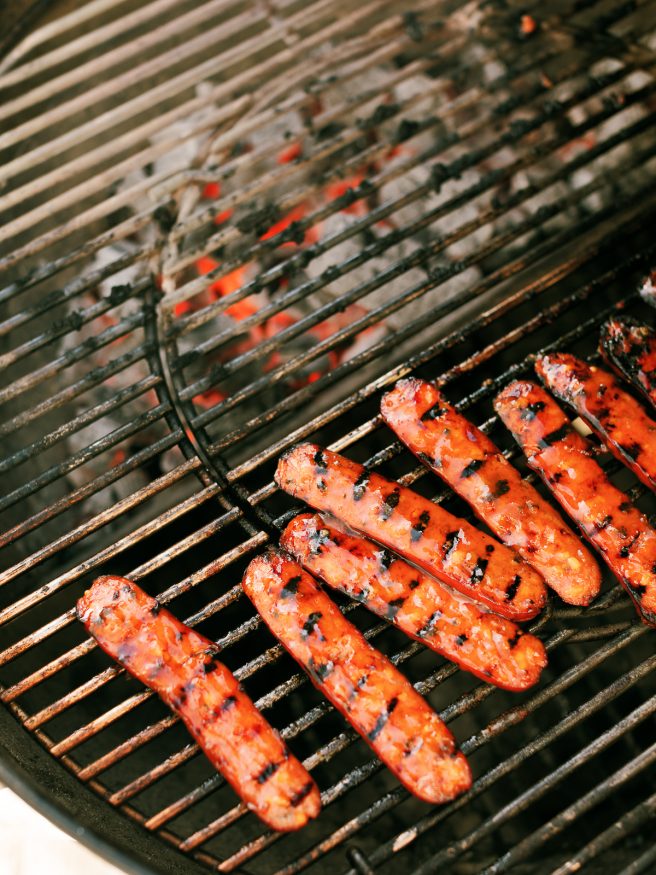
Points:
(606, 516)
(471, 464)
(181, 667)
(630, 348)
(450, 548)
(373, 695)
(490, 647)
(619, 420)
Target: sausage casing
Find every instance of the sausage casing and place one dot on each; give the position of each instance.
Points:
(373, 695)
(181, 667)
(619, 420)
(450, 548)
(630, 348)
(471, 464)
(490, 647)
(606, 516)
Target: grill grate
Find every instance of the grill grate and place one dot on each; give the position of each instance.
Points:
(499, 198)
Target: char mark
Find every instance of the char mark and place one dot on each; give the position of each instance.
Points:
(267, 772)
(478, 572)
(501, 487)
(460, 639)
(320, 461)
(391, 501)
(450, 543)
(513, 642)
(298, 797)
(554, 436)
(385, 558)
(625, 506)
(420, 526)
(228, 703)
(631, 450)
(393, 607)
(156, 608)
(607, 520)
(319, 671)
(310, 625)
(429, 625)
(531, 411)
(210, 665)
(471, 468)
(290, 589)
(413, 583)
(360, 485)
(511, 592)
(434, 413)
(382, 720)
(318, 539)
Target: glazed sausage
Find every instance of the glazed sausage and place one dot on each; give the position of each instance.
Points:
(630, 348)
(373, 695)
(619, 420)
(181, 667)
(490, 647)
(450, 548)
(606, 516)
(471, 464)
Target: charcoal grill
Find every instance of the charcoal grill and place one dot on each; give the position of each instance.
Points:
(370, 190)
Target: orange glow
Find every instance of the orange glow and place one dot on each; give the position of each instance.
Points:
(336, 189)
(209, 398)
(289, 153)
(527, 25)
(212, 190)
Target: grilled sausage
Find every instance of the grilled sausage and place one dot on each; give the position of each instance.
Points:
(373, 695)
(450, 548)
(490, 647)
(630, 348)
(181, 667)
(648, 289)
(606, 516)
(619, 420)
(471, 464)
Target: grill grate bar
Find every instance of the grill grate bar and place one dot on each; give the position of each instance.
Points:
(586, 802)
(638, 816)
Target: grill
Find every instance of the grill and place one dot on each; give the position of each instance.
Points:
(226, 228)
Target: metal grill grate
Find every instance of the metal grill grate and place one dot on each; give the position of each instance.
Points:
(467, 183)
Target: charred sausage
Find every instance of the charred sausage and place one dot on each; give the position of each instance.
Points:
(630, 348)
(619, 420)
(606, 516)
(471, 464)
(181, 667)
(490, 647)
(450, 548)
(373, 695)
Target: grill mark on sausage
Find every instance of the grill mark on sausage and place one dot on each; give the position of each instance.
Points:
(360, 485)
(301, 794)
(451, 542)
(478, 572)
(434, 413)
(394, 607)
(511, 592)
(310, 625)
(320, 671)
(555, 436)
(320, 461)
(391, 501)
(532, 410)
(472, 468)
(419, 527)
(267, 772)
(290, 589)
(382, 720)
(385, 557)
